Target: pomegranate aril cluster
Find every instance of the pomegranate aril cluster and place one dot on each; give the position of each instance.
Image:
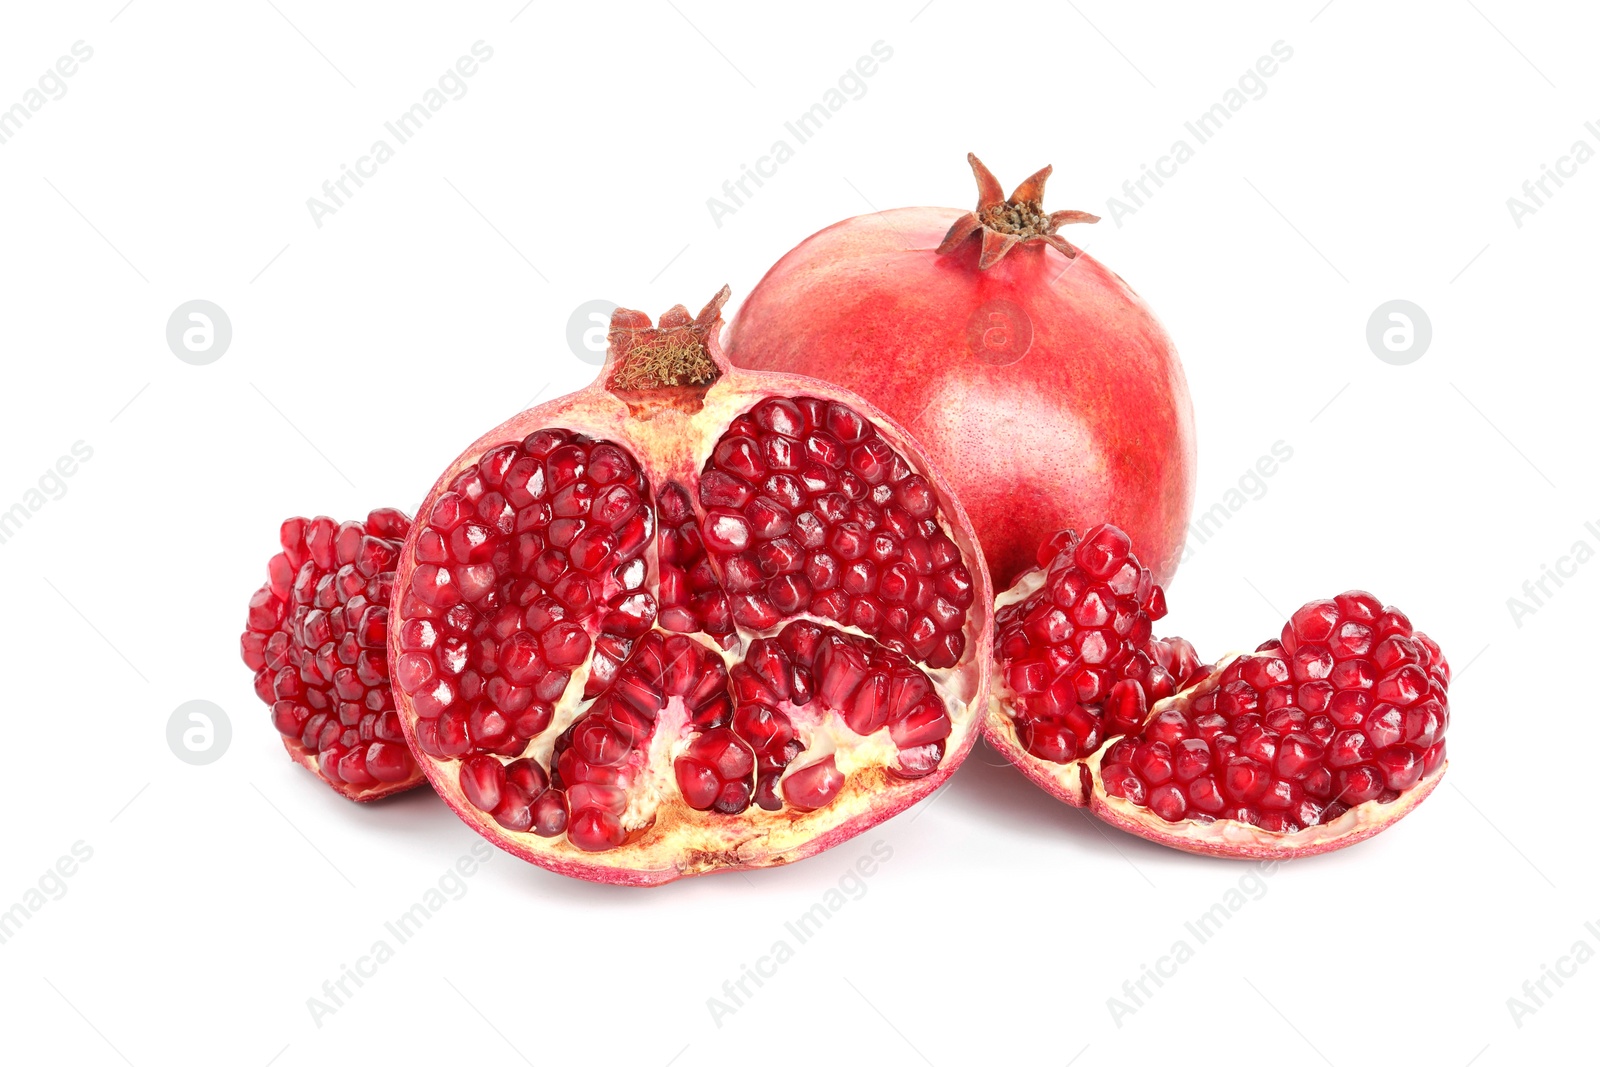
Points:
(808, 509)
(1348, 706)
(530, 551)
(866, 685)
(692, 598)
(739, 758)
(601, 755)
(1078, 654)
(738, 738)
(527, 565)
(317, 638)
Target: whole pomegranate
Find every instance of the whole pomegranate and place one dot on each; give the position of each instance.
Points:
(1312, 742)
(317, 637)
(688, 618)
(1035, 378)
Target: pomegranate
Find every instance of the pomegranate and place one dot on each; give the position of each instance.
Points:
(317, 636)
(1314, 741)
(1033, 376)
(688, 618)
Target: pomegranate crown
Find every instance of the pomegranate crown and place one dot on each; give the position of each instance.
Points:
(679, 352)
(1006, 222)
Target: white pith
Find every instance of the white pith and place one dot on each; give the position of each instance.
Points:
(654, 782)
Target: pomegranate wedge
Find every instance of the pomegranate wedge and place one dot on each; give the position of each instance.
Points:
(317, 636)
(1314, 741)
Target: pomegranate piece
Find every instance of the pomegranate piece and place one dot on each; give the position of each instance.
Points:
(317, 637)
(688, 619)
(1079, 665)
(1314, 741)
(1032, 374)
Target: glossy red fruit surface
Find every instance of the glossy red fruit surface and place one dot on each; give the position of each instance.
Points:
(1033, 376)
(317, 636)
(688, 618)
(1317, 740)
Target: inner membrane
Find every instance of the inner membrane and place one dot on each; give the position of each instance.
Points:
(586, 668)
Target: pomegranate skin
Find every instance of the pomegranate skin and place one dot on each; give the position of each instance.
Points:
(1042, 385)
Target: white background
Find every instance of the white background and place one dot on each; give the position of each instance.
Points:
(368, 351)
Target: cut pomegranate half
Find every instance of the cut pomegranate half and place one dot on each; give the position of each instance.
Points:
(1312, 742)
(688, 618)
(317, 636)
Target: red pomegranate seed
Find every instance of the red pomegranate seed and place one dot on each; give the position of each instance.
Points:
(918, 762)
(813, 786)
(923, 725)
(388, 761)
(594, 829)
(550, 814)
(482, 779)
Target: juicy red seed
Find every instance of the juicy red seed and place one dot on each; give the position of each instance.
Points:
(1103, 551)
(1169, 801)
(388, 761)
(598, 744)
(514, 812)
(725, 531)
(918, 762)
(314, 636)
(765, 729)
(482, 778)
(721, 488)
(1126, 706)
(733, 799)
(1050, 739)
(1312, 624)
(697, 782)
(564, 645)
(1121, 781)
(1152, 761)
(528, 776)
(724, 754)
(595, 830)
(813, 786)
(550, 814)
(925, 724)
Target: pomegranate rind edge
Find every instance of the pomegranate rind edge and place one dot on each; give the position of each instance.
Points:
(1228, 839)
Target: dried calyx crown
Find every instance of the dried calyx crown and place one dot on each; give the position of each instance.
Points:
(1006, 222)
(679, 351)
